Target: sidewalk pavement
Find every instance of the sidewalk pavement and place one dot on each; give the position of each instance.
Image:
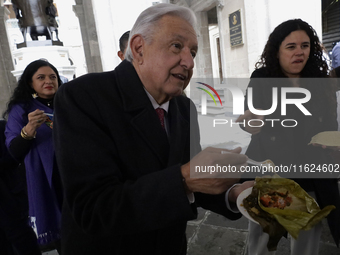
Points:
(54, 252)
(212, 234)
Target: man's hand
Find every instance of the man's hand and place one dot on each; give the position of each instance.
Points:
(236, 190)
(213, 182)
(248, 115)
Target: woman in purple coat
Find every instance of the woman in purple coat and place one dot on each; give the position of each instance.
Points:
(29, 138)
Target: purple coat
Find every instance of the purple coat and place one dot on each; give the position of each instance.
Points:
(44, 210)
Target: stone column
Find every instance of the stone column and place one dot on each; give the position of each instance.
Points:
(84, 11)
(203, 68)
(7, 80)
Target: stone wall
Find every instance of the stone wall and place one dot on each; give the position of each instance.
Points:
(84, 12)
(7, 80)
(203, 65)
(235, 58)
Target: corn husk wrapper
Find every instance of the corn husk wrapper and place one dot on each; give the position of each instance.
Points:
(303, 214)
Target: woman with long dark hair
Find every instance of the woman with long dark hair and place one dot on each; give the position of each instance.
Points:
(293, 51)
(29, 139)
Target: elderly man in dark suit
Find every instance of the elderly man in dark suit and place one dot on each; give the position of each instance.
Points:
(126, 172)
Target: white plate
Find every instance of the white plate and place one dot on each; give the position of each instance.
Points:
(239, 203)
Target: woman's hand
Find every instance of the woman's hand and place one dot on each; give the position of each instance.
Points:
(256, 126)
(35, 120)
(334, 148)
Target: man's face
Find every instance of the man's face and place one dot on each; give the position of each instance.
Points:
(168, 60)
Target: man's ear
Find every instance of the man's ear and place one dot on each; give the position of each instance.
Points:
(137, 46)
(120, 55)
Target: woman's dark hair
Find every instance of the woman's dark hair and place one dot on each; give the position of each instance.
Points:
(23, 92)
(316, 65)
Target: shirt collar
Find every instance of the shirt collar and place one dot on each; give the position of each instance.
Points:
(155, 105)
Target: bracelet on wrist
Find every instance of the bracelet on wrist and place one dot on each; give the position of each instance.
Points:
(25, 135)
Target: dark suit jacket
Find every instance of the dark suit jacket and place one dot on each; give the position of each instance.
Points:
(289, 146)
(123, 186)
(15, 233)
(13, 197)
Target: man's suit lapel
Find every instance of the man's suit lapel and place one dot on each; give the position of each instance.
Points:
(179, 133)
(144, 118)
(172, 153)
(148, 126)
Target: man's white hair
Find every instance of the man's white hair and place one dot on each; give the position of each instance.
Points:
(148, 19)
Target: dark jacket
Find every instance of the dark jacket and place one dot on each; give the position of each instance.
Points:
(123, 186)
(15, 233)
(13, 195)
(289, 145)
